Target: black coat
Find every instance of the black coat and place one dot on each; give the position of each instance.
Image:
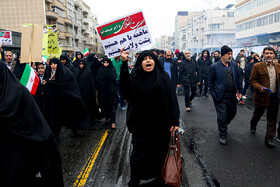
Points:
(152, 110)
(190, 74)
(248, 71)
(87, 89)
(106, 81)
(204, 66)
(26, 142)
(64, 104)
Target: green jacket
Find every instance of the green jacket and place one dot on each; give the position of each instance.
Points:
(117, 65)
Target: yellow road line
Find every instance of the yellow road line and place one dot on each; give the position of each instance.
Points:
(82, 178)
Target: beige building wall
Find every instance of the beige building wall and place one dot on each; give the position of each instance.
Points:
(14, 13)
(72, 17)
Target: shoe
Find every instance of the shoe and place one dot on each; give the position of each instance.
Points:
(205, 96)
(223, 141)
(242, 103)
(269, 144)
(123, 108)
(244, 97)
(188, 109)
(253, 130)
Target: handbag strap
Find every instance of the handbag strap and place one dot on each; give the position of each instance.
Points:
(173, 138)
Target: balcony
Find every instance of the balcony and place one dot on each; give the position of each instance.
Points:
(85, 11)
(67, 48)
(86, 33)
(67, 21)
(68, 35)
(58, 4)
(84, 28)
(52, 15)
(85, 21)
(61, 35)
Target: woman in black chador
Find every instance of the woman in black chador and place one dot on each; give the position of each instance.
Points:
(87, 88)
(153, 112)
(106, 80)
(27, 145)
(64, 104)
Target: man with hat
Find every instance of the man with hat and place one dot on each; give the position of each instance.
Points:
(224, 84)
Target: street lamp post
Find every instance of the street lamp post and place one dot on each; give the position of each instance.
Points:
(210, 2)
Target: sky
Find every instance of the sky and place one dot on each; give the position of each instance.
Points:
(159, 14)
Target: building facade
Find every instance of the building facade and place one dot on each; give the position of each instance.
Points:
(210, 30)
(74, 20)
(257, 22)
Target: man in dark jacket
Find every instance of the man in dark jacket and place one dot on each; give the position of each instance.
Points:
(170, 66)
(204, 63)
(190, 77)
(225, 83)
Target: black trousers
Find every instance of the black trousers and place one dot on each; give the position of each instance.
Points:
(189, 97)
(226, 111)
(204, 81)
(272, 112)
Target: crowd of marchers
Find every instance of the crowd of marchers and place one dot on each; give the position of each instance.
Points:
(78, 93)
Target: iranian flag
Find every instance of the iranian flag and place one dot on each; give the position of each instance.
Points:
(30, 79)
(86, 52)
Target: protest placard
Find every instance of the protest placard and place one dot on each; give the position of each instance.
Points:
(130, 31)
(6, 37)
(31, 43)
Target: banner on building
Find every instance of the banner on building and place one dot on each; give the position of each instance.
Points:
(130, 32)
(6, 37)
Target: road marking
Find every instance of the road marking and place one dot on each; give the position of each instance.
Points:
(82, 178)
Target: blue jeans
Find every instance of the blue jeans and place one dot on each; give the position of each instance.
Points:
(121, 100)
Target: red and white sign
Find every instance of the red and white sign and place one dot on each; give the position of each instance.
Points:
(130, 32)
(6, 37)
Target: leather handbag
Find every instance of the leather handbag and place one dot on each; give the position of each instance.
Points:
(172, 169)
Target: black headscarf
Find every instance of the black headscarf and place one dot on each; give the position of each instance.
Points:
(93, 64)
(19, 114)
(26, 141)
(87, 88)
(65, 105)
(152, 110)
(19, 68)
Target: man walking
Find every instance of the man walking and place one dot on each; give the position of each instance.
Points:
(224, 84)
(204, 62)
(265, 80)
(190, 77)
(170, 66)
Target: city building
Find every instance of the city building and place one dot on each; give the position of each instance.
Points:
(257, 23)
(181, 20)
(164, 43)
(210, 30)
(73, 18)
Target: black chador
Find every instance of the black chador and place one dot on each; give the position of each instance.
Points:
(87, 88)
(106, 81)
(26, 142)
(152, 110)
(64, 104)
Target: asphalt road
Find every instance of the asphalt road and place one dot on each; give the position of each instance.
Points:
(100, 157)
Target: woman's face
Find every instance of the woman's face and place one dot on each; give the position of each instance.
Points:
(148, 64)
(105, 63)
(53, 66)
(82, 65)
(41, 69)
